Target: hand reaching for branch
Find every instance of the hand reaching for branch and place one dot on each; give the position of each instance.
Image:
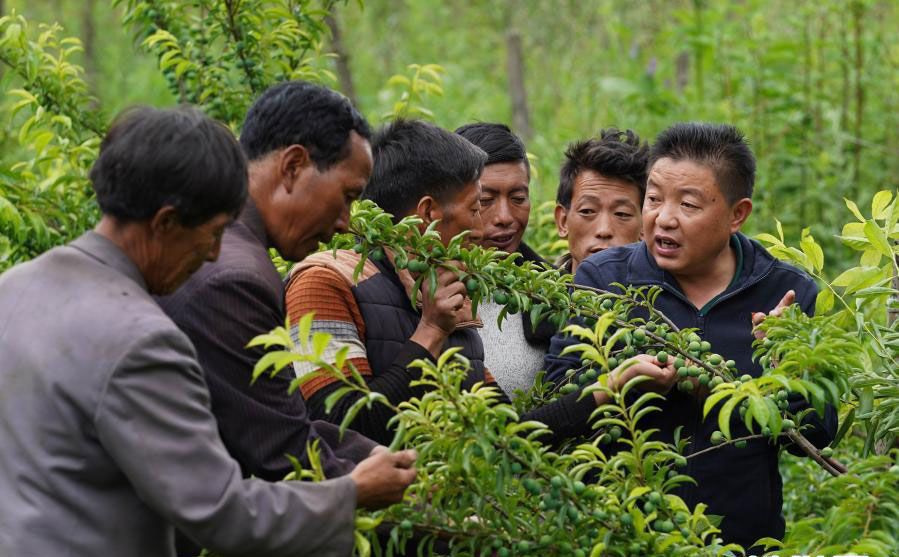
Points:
(662, 376)
(760, 316)
(382, 478)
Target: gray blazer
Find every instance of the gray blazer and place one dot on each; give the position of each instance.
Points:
(107, 442)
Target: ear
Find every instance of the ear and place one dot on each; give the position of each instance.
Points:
(428, 210)
(292, 162)
(740, 211)
(165, 221)
(561, 221)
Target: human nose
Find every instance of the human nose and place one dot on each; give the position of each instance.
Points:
(216, 249)
(502, 216)
(603, 228)
(666, 217)
(342, 226)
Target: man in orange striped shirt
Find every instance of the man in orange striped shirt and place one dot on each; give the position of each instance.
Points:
(374, 317)
(419, 169)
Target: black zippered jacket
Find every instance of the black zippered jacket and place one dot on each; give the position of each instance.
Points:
(743, 485)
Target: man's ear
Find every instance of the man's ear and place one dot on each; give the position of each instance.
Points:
(165, 221)
(561, 221)
(428, 210)
(739, 212)
(292, 162)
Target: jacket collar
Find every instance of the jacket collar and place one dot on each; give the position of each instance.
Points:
(251, 218)
(643, 270)
(542, 333)
(528, 254)
(105, 251)
(564, 263)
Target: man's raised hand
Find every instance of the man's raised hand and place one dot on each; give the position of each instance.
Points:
(662, 376)
(760, 316)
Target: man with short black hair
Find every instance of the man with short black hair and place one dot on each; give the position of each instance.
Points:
(309, 158)
(423, 170)
(601, 187)
(714, 279)
(514, 353)
(428, 172)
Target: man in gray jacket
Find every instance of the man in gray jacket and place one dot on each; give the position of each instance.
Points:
(107, 442)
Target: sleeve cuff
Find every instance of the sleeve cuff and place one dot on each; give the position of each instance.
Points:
(411, 351)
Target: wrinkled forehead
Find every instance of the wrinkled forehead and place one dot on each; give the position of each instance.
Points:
(592, 186)
(670, 174)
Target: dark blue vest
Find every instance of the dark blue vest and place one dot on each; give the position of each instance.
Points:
(390, 320)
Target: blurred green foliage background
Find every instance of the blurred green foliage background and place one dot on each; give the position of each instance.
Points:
(814, 84)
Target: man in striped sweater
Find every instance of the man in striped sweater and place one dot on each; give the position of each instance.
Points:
(419, 169)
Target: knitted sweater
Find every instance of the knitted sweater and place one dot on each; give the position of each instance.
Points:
(323, 285)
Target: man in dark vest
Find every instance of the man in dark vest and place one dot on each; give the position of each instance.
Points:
(426, 171)
(423, 170)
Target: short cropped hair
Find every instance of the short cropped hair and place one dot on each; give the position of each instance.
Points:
(721, 147)
(413, 159)
(613, 154)
(153, 158)
(498, 141)
(302, 113)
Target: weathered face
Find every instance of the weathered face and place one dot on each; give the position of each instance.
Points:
(687, 222)
(505, 205)
(461, 212)
(317, 204)
(181, 252)
(604, 213)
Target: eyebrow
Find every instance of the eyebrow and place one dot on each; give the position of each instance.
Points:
(516, 189)
(622, 201)
(693, 191)
(615, 200)
(686, 189)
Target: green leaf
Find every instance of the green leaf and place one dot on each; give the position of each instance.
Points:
(844, 428)
(335, 397)
(351, 415)
(878, 238)
(812, 250)
(320, 343)
(880, 203)
(304, 326)
(824, 302)
(855, 275)
(713, 399)
(768, 238)
(759, 410)
(871, 258)
(854, 209)
(724, 415)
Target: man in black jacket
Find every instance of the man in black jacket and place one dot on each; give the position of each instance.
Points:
(601, 186)
(309, 157)
(717, 280)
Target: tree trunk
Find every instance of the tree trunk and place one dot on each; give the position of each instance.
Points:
(681, 71)
(698, 50)
(88, 34)
(515, 64)
(344, 74)
(2, 13)
(857, 9)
